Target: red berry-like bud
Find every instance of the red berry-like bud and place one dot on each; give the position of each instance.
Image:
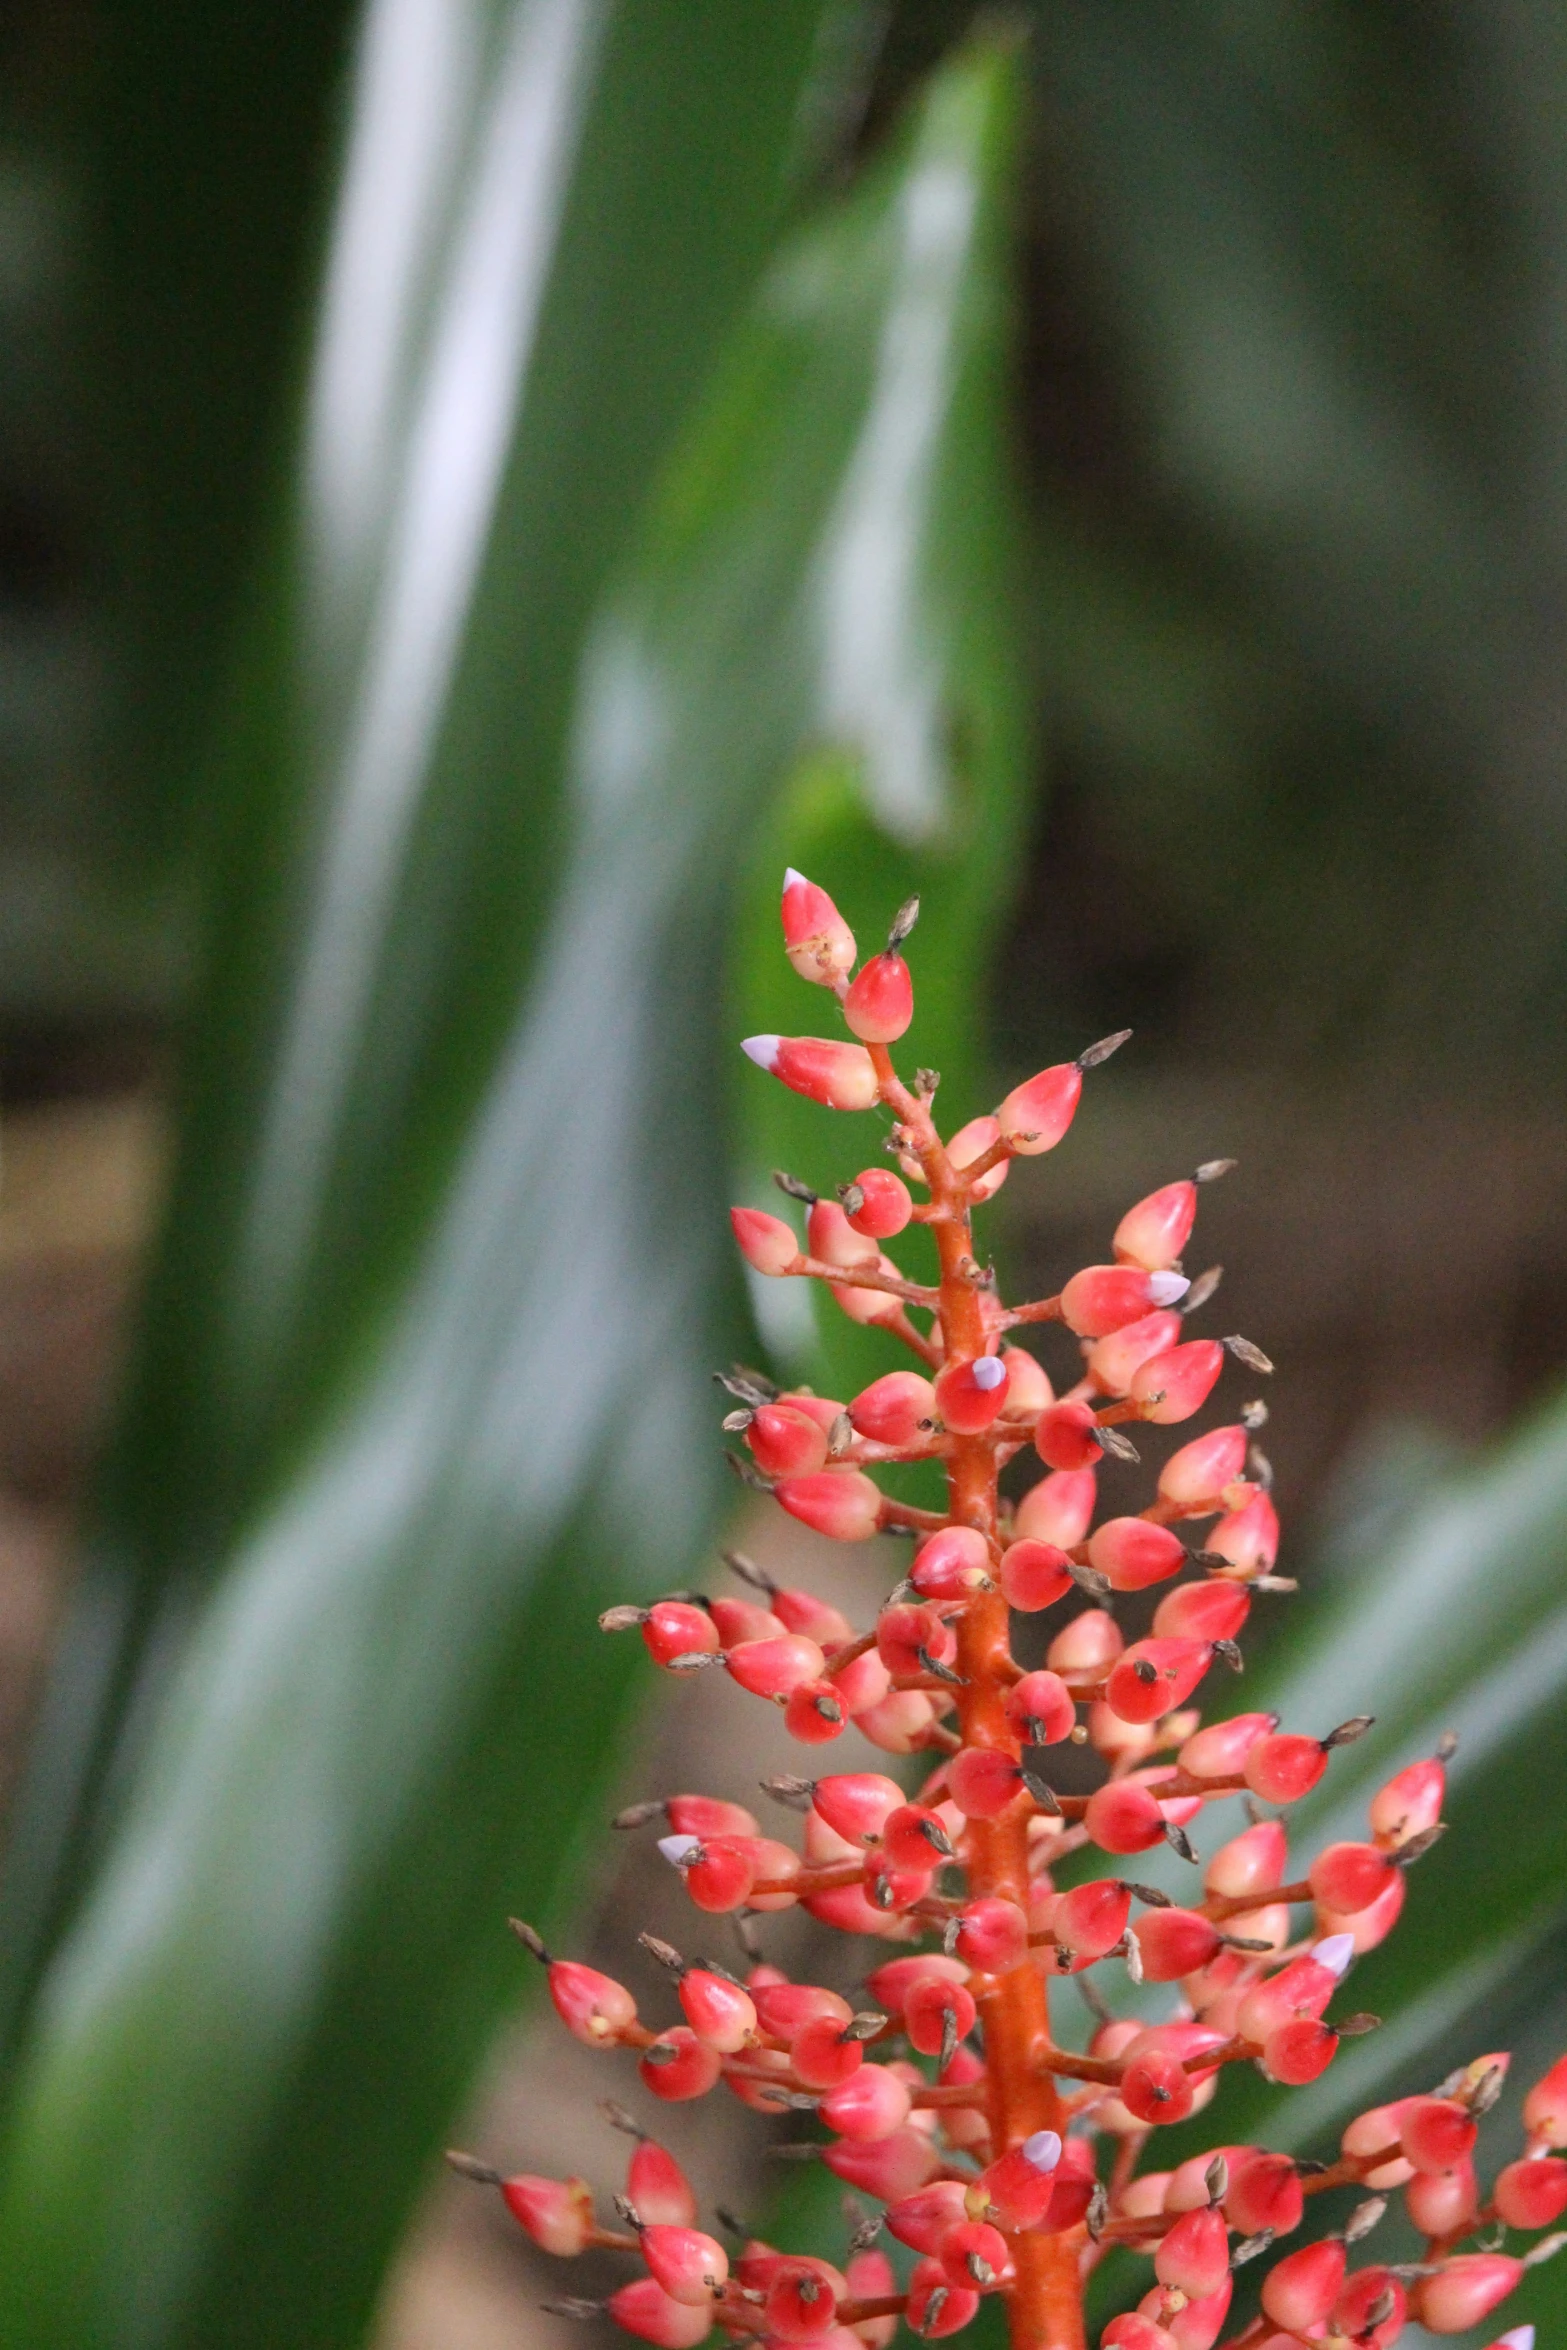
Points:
(784, 2007)
(1103, 1298)
(953, 1564)
(1284, 1767)
(1367, 2290)
(880, 1003)
(1303, 1988)
(1252, 1862)
(1157, 2088)
(1248, 1537)
(645, 2309)
(983, 1781)
(1086, 1645)
(839, 1076)
(915, 1837)
(1122, 1816)
(708, 1815)
(969, 1396)
(1194, 2258)
(688, 2265)
(742, 1619)
(1175, 1942)
(906, 1635)
(817, 940)
(1199, 2325)
(927, 2008)
(891, 1984)
(766, 1243)
(802, 1611)
(556, 2213)
(855, 1803)
(1017, 2187)
(1436, 2132)
(1134, 1554)
(658, 2188)
(992, 1934)
(1034, 1575)
(801, 2302)
(784, 1443)
(718, 1870)
(1300, 2290)
(1040, 1709)
(1215, 1610)
(1410, 1803)
(922, 2219)
(718, 2011)
(1443, 2202)
(1092, 1918)
(975, 2255)
(1134, 2331)
(936, 2306)
(1201, 1470)
(838, 1502)
(891, 1409)
(1113, 1362)
(1154, 1676)
(1154, 1233)
(1532, 2194)
(970, 1143)
(1066, 1437)
(1465, 2290)
(816, 1713)
(1036, 1115)
(1349, 1877)
(887, 1203)
(772, 1668)
(1172, 1386)
(821, 2055)
(1297, 2052)
(690, 2072)
(593, 2008)
(1265, 2194)
(1545, 2107)
(1058, 1509)
(1221, 1751)
(872, 2103)
(672, 1627)
(886, 2167)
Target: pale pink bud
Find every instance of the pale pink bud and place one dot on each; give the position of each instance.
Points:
(1299, 2291)
(1103, 1298)
(1036, 1115)
(1086, 1645)
(1154, 1233)
(1545, 2107)
(1465, 2290)
(880, 1003)
(1248, 1537)
(708, 1815)
(1154, 1676)
(970, 1143)
(937, 2307)
(953, 1564)
(1113, 1363)
(686, 2263)
(1134, 1554)
(1515, 2338)
(556, 2213)
(927, 2008)
(1214, 1610)
(992, 1934)
(766, 1243)
(869, 1307)
(1172, 1386)
(1092, 1918)
(1442, 2203)
(891, 1409)
(817, 940)
(1194, 2257)
(1175, 1942)
(1034, 1575)
(741, 1619)
(1221, 1750)
(1436, 2132)
(1303, 1988)
(838, 1502)
(1410, 1803)
(1349, 1877)
(1265, 2193)
(1133, 2330)
(1201, 1470)
(899, 1722)
(870, 2277)
(886, 2167)
(839, 1076)
(691, 2072)
(823, 1409)
(1040, 1709)
(886, 1203)
(802, 1611)
(784, 1442)
(1058, 1509)
(1368, 2133)
(1298, 2051)
(1018, 2185)
(969, 1396)
(1066, 1436)
(856, 1803)
(658, 2188)
(983, 1781)
(1252, 1862)
(1532, 2194)
(831, 1237)
(1122, 1816)
(871, 2104)
(645, 2309)
(718, 2011)
(1366, 1928)
(785, 2007)
(921, 2220)
(1284, 1767)
(593, 2007)
(771, 1668)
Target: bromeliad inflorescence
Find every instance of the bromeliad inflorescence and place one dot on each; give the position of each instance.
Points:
(1005, 2162)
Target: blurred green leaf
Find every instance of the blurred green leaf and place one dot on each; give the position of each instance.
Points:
(425, 1367)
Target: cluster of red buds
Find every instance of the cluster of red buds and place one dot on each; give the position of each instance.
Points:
(1005, 2162)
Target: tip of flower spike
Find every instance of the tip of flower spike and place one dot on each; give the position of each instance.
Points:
(1334, 1952)
(1165, 1288)
(763, 1050)
(988, 1371)
(1043, 2150)
(678, 1849)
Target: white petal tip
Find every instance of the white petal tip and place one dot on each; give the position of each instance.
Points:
(1517, 2338)
(677, 1850)
(793, 880)
(1165, 1288)
(763, 1050)
(989, 1372)
(1042, 2150)
(1334, 1952)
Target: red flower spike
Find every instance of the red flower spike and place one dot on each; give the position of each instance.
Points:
(880, 1002)
(1092, 1918)
(817, 940)
(690, 2072)
(1194, 2258)
(593, 2008)
(1089, 1643)
(1175, 1942)
(1200, 1471)
(926, 2011)
(1170, 1387)
(645, 2309)
(1218, 1752)
(1066, 1437)
(1446, 2202)
(657, 2188)
(1299, 2291)
(1532, 2194)
(1154, 1233)
(1134, 1554)
(936, 2306)
(839, 1076)
(975, 2255)
(801, 2302)
(1248, 1537)
(1103, 1298)
(953, 1564)
(1436, 2132)
(970, 1143)
(1545, 2107)
(1265, 2195)
(688, 2265)
(871, 2104)
(886, 2167)
(1282, 1768)
(766, 1242)
(1466, 2290)
(1297, 2052)
(1156, 2088)
(905, 1636)
(1029, 1391)
(673, 1628)
(836, 1502)
(891, 1410)
(984, 1781)
(1036, 1115)
(1034, 1575)
(969, 1396)
(718, 2011)
(1114, 1362)
(1041, 1709)
(1349, 1877)
(887, 1203)
(1152, 1677)
(1410, 1803)
(1215, 1610)
(1058, 1509)
(556, 2213)
(992, 1934)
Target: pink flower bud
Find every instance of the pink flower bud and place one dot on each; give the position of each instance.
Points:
(1092, 1918)
(1113, 1363)
(1265, 2193)
(953, 1564)
(1156, 2087)
(890, 1985)
(1303, 1988)
(1017, 2187)
(691, 2072)
(838, 1502)
(1436, 2132)
(1154, 1676)
(929, 2004)
(802, 1611)
(1036, 1115)
(969, 1396)
(880, 1003)
(1532, 2194)
(975, 2255)
(1172, 1386)
(1040, 1709)
(1122, 1816)
(1368, 2133)
(890, 1410)
(823, 1409)
(784, 2007)
(1444, 2202)
(708, 1815)
(864, 1682)
(870, 2277)
(992, 1935)
(983, 1781)
(556, 2213)
(815, 1713)
(1029, 1391)
(1466, 2290)
(1545, 2107)
(658, 2188)
(1134, 2331)
(839, 1076)
(741, 1619)
(1221, 1750)
(1284, 1767)
(1366, 1928)
(593, 2008)
(1200, 1471)
(766, 1242)
(898, 1723)
(855, 1803)
(1175, 1942)
(718, 2011)
(1199, 2325)
(970, 1143)
(937, 2307)
(1252, 1862)
(906, 1634)
(1086, 1645)
(1066, 1437)
(817, 940)
(1249, 1537)
(645, 2309)
(1058, 1509)
(1299, 2291)
(1154, 1233)
(801, 2302)
(1194, 2258)
(1359, 2295)
(1214, 1610)
(1298, 2051)
(872, 2103)
(685, 2263)
(831, 1237)
(887, 2167)
(1410, 1803)
(1349, 1877)
(672, 1627)
(1103, 1298)
(1134, 1554)
(1034, 1575)
(771, 1668)
(914, 1837)
(922, 2219)
(820, 2054)
(888, 1203)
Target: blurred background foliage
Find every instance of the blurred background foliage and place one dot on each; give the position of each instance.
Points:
(483, 486)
